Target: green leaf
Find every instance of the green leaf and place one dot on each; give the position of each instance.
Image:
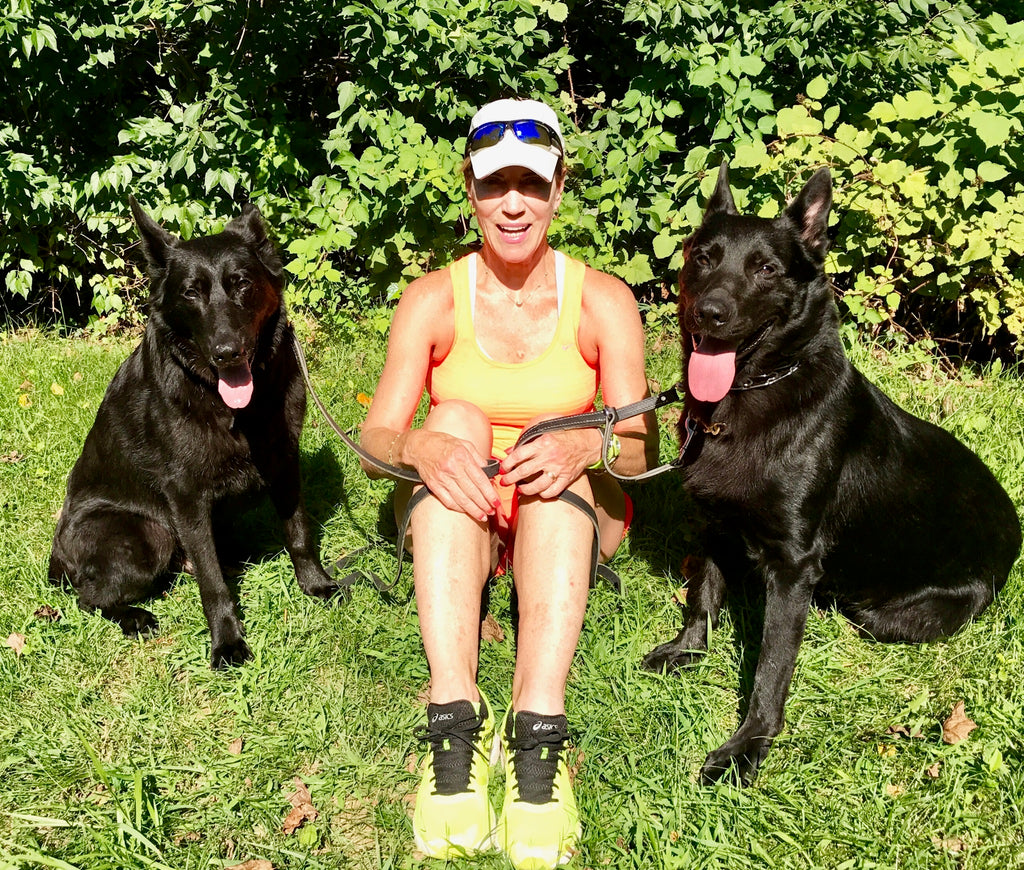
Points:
(346, 96)
(524, 25)
(192, 113)
(637, 271)
(665, 245)
(915, 105)
(980, 248)
(991, 128)
(177, 161)
(891, 171)
(989, 171)
(557, 12)
(796, 121)
(751, 153)
(817, 88)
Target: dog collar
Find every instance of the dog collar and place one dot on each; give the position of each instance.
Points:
(755, 382)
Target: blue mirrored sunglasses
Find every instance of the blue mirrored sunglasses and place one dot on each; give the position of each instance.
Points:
(527, 131)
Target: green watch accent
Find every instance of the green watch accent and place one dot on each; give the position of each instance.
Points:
(614, 449)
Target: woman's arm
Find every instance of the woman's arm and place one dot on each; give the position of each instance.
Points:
(422, 327)
(610, 323)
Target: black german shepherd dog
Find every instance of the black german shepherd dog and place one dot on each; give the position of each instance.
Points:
(208, 407)
(816, 483)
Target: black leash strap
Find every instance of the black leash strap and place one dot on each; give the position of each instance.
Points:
(597, 569)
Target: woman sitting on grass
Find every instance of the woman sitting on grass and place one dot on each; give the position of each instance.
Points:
(500, 339)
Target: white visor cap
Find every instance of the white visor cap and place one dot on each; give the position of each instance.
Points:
(510, 151)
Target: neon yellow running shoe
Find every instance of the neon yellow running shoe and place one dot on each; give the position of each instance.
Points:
(539, 827)
(453, 816)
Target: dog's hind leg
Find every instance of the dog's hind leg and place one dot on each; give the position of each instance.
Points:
(704, 597)
(113, 559)
(924, 614)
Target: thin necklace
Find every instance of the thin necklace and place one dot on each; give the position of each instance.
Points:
(520, 298)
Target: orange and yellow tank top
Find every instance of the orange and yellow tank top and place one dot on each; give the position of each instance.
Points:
(559, 381)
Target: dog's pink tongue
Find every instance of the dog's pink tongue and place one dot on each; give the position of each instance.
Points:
(711, 370)
(235, 386)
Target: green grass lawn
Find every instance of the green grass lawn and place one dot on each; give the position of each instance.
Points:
(118, 753)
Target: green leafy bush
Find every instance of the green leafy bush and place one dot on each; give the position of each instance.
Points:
(345, 123)
(930, 192)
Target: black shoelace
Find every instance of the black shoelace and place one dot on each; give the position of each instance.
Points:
(536, 747)
(453, 732)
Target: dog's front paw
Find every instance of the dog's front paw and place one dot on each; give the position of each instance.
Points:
(670, 657)
(134, 621)
(315, 581)
(229, 654)
(738, 758)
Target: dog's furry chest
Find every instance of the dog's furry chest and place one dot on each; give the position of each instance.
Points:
(220, 458)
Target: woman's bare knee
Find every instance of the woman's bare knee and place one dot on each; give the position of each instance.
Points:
(463, 420)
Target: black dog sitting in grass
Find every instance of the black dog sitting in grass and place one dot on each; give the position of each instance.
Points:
(209, 406)
(810, 478)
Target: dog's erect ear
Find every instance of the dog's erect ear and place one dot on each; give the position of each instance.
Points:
(249, 225)
(155, 239)
(810, 210)
(721, 200)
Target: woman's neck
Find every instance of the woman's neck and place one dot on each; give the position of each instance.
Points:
(516, 276)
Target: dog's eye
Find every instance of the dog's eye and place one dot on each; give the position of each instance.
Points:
(190, 292)
(765, 270)
(701, 259)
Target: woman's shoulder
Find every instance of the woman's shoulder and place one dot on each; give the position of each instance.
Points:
(432, 291)
(608, 311)
(605, 292)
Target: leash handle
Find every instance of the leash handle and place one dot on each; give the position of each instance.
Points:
(607, 418)
(589, 420)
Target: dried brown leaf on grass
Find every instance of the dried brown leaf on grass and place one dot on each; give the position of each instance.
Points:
(491, 631)
(576, 759)
(235, 746)
(47, 613)
(302, 808)
(904, 731)
(949, 844)
(957, 727)
(16, 642)
(255, 864)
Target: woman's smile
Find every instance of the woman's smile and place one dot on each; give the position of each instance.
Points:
(514, 233)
